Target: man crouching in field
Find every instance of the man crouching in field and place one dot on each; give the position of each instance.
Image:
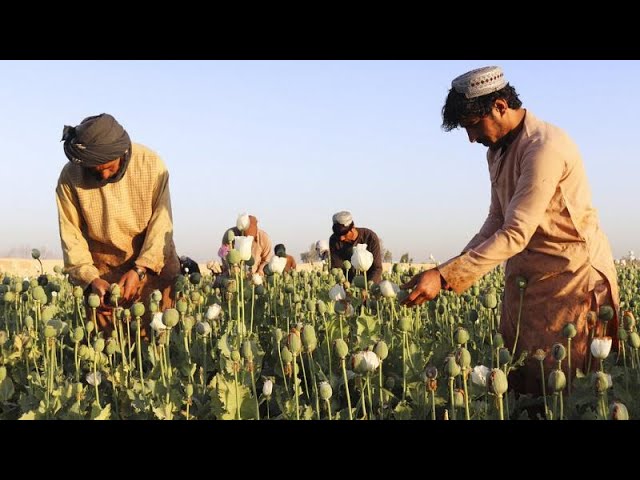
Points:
(115, 220)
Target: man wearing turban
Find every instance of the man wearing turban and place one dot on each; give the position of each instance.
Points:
(345, 237)
(114, 212)
(541, 222)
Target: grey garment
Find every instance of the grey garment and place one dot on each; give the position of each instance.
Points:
(98, 140)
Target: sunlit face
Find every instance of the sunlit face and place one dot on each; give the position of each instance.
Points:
(487, 130)
(350, 236)
(107, 170)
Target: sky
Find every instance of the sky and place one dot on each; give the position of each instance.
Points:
(293, 142)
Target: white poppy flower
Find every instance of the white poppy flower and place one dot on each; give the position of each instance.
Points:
(277, 264)
(389, 289)
(371, 361)
(267, 388)
(213, 311)
(94, 379)
(337, 293)
(361, 259)
(600, 347)
(243, 245)
(243, 222)
(257, 279)
(479, 375)
(157, 324)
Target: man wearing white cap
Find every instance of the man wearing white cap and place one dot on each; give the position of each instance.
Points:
(345, 237)
(541, 222)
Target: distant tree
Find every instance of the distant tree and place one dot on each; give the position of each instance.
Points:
(405, 258)
(388, 257)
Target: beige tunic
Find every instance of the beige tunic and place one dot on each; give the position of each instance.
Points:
(105, 231)
(260, 249)
(542, 223)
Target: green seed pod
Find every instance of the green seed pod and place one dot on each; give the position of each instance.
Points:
(341, 348)
(311, 306)
(39, 294)
(634, 339)
(600, 382)
(521, 282)
(260, 291)
(137, 309)
(309, 339)
(48, 313)
(50, 332)
(358, 281)
(18, 287)
(234, 257)
(277, 335)
(156, 295)
(35, 253)
(405, 323)
(28, 322)
(235, 355)
(605, 313)
(98, 345)
(182, 305)
(618, 411)
(294, 342)
(57, 269)
(346, 265)
(461, 336)
(569, 330)
(93, 300)
(498, 341)
(189, 390)
(112, 346)
(381, 350)
(154, 307)
(114, 289)
(504, 356)
(463, 357)
(472, 316)
(497, 382)
(195, 278)
(170, 317)
(557, 381)
(247, 352)
(90, 326)
(3, 373)
(196, 297)
(622, 334)
(559, 352)
(229, 237)
(83, 351)
(33, 283)
(490, 300)
(287, 356)
(189, 322)
(9, 297)
(78, 334)
(325, 390)
(451, 367)
(629, 320)
(232, 287)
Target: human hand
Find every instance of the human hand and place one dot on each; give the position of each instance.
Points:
(129, 285)
(425, 285)
(100, 287)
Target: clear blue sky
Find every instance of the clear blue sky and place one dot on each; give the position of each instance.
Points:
(292, 142)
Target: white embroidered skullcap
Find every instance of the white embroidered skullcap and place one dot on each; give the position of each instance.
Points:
(478, 82)
(343, 218)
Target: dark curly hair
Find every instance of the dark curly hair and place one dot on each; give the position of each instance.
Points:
(458, 107)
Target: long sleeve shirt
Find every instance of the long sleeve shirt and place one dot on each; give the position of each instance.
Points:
(106, 228)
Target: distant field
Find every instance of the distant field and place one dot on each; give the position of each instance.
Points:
(30, 267)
